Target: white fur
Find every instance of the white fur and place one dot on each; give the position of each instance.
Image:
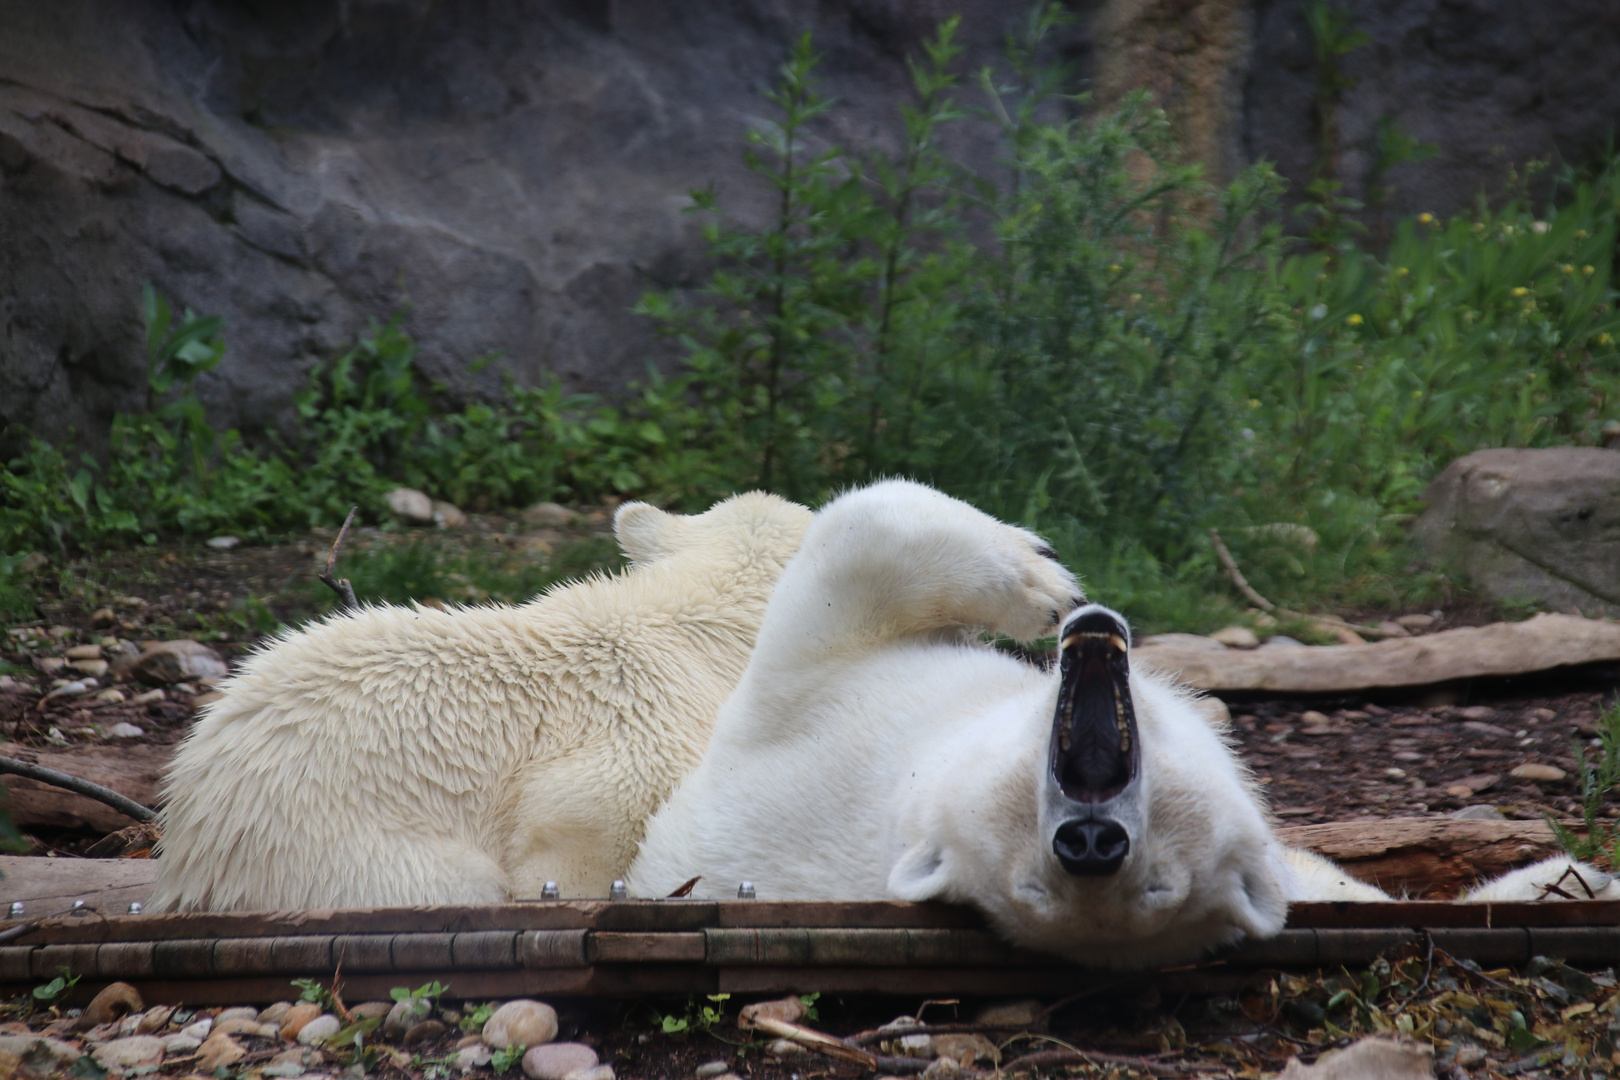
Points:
(1577, 879)
(411, 756)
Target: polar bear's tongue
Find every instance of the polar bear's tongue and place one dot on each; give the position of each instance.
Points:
(1094, 751)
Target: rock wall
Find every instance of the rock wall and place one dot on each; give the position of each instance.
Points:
(514, 174)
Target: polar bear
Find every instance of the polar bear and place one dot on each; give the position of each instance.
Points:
(873, 750)
(403, 755)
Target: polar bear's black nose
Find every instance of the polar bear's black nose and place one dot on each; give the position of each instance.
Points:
(1091, 847)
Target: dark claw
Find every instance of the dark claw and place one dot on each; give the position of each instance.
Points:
(1045, 551)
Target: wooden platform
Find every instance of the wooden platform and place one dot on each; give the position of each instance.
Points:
(564, 947)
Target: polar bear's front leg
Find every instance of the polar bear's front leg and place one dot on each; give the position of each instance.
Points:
(900, 560)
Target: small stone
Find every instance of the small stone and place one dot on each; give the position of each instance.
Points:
(154, 1019)
(789, 1010)
(175, 661)
(200, 1029)
(1540, 773)
(1416, 621)
(218, 1051)
(1395, 774)
(293, 1021)
(368, 1009)
(50, 665)
(274, 1014)
(404, 1015)
(1237, 637)
(711, 1068)
(1312, 718)
(605, 1072)
(104, 617)
(548, 514)
(110, 696)
(238, 1012)
(522, 1023)
(427, 1029)
(149, 697)
(554, 1061)
(93, 668)
(1479, 727)
(320, 1029)
(448, 515)
(180, 1044)
(122, 730)
(130, 1053)
(1477, 812)
(410, 505)
(1283, 641)
(1476, 784)
(223, 543)
(1390, 628)
(917, 1045)
(786, 1048)
(84, 652)
(473, 1057)
(1476, 712)
(114, 1000)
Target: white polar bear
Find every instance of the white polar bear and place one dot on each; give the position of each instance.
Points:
(872, 750)
(399, 755)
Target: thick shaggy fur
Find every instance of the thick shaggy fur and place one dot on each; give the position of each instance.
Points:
(872, 751)
(410, 756)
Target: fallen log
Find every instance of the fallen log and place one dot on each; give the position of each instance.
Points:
(1541, 643)
(1426, 858)
(135, 772)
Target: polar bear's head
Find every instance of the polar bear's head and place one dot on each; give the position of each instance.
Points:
(1102, 817)
(754, 524)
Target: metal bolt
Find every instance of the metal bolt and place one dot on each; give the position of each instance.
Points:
(136, 907)
(78, 908)
(618, 891)
(745, 891)
(549, 891)
(16, 909)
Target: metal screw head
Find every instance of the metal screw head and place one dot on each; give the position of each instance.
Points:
(78, 908)
(549, 891)
(136, 907)
(618, 891)
(16, 909)
(745, 891)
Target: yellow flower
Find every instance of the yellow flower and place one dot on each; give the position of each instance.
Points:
(1254, 402)
(1580, 234)
(1603, 339)
(1520, 291)
(1568, 269)
(1587, 270)
(1401, 271)
(1354, 320)
(1114, 269)
(1417, 393)
(1427, 219)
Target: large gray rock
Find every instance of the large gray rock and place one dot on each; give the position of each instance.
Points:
(1538, 525)
(514, 175)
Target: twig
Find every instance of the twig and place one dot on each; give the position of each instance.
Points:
(342, 586)
(12, 933)
(811, 1039)
(126, 806)
(1230, 565)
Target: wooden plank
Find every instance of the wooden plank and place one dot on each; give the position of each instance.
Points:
(1435, 913)
(619, 947)
(654, 915)
(863, 947)
(1430, 858)
(850, 914)
(1540, 643)
(48, 886)
(552, 948)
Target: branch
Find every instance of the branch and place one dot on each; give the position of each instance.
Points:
(1330, 622)
(125, 806)
(342, 586)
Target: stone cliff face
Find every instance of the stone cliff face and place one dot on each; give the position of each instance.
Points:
(514, 174)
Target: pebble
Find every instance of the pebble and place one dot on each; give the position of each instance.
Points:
(448, 515)
(129, 1053)
(124, 730)
(1283, 641)
(917, 1045)
(786, 1048)
(83, 652)
(1416, 622)
(711, 1068)
(548, 513)
(410, 505)
(223, 543)
(296, 1016)
(427, 1029)
(200, 1029)
(104, 617)
(321, 1028)
(523, 1023)
(1237, 637)
(605, 1072)
(180, 1044)
(239, 1012)
(1540, 773)
(368, 1009)
(275, 1014)
(789, 1010)
(148, 697)
(554, 1061)
(1390, 628)
(110, 696)
(473, 1057)
(404, 1015)
(175, 661)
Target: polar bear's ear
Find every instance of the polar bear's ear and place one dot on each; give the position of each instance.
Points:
(644, 531)
(922, 873)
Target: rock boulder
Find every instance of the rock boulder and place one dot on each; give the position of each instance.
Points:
(1530, 525)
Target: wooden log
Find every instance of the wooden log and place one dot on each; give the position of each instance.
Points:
(136, 772)
(49, 886)
(1426, 858)
(1541, 643)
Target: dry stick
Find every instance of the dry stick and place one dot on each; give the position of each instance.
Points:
(811, 1039)
(126, 806)
(1230, 565)
(342, 586)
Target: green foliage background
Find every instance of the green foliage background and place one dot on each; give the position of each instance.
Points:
(1094, 342)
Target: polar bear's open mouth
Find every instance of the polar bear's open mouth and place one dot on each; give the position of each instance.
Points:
(1095, 753)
